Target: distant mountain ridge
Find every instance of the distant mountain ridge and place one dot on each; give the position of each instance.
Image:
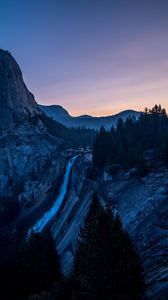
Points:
(61, 115)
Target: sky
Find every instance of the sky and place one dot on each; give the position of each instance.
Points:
(94, 57)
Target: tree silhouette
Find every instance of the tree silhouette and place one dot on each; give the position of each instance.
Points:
(107, 266)
(126, 145)
(37, 264)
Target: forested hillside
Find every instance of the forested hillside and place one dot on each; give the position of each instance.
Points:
(134, 143)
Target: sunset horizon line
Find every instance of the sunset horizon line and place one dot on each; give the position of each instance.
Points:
(102, 113)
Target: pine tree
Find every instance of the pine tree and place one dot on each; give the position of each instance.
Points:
(107, 266)
(120, 126)
(101, 148)
(125, 146)
(37, 264)
(164, 147)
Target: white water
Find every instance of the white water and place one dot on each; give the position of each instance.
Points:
(39, 226)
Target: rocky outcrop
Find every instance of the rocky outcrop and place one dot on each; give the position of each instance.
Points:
(30, 160)
(143, 208)
(142, 204)
(15, 99)
(66, 224)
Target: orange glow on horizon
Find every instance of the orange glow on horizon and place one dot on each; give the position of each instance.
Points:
(116, 110)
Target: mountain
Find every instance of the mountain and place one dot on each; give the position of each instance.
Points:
(29, 143)
(32, 145)
(16, 100)
(58, 113)
(34, 163)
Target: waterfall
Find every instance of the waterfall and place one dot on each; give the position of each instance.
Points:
(39, 226)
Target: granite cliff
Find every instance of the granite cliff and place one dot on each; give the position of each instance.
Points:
(30, 160)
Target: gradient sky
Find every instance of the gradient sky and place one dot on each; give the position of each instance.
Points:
(91, 56)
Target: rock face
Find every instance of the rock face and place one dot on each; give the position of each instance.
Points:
(16, 101)
(59, 114)
(143, 208)
(66, 224)
(30, 160)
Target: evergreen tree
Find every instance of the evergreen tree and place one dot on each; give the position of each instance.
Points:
(101, 148)
(157, 110)
(8, 251)
(165, 148)
(126, 145)
(120, 126)
(37, 264)
(107, 266)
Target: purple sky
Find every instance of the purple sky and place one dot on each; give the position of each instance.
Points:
(91, 56)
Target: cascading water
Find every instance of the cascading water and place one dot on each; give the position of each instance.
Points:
(39, 226)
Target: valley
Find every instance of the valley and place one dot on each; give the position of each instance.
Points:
(50, 172)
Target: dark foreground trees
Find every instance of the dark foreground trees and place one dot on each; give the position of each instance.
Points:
(107, 266)
(27, 267)
(37, 264)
